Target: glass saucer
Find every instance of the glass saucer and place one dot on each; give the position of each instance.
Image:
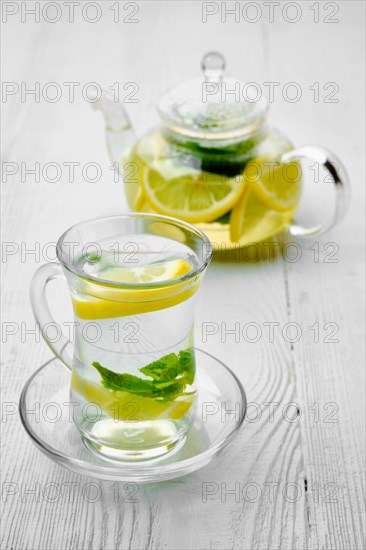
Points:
(46, 415)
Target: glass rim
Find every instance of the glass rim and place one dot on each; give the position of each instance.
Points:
(203, 263)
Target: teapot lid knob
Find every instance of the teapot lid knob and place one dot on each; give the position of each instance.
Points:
(213, 65)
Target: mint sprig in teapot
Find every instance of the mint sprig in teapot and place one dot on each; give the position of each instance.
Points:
(216, 163)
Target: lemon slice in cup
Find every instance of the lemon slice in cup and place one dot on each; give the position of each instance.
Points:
(150, 273)
(140, 408)
(96, 301)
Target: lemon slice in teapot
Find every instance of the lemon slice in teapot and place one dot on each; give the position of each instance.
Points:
(194, 196)
(251, 220)
(271, 194)
(277, 185)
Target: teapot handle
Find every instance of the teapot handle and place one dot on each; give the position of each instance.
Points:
(341, 182)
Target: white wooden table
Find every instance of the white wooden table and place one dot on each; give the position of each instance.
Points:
(296, 481)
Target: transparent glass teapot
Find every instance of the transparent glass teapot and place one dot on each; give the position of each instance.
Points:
(216, 163)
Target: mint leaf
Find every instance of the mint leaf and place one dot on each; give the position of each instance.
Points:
(187, 364)
(91, 258)
(125, 382)
(229, 160)
(170, 375)
(170, 367)
(171, 392)
(225, 219)
(164, 369)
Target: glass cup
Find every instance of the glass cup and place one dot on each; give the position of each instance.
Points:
(133, 280)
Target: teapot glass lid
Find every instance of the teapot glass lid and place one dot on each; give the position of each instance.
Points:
(213, 106)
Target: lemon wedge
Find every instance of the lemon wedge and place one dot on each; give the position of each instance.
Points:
(270, 197)
(126, 407)
(277, 185)
(252, 221)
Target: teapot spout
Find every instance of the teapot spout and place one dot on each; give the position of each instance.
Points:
(119, 133)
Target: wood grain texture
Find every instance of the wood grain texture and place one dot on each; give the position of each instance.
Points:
(285, 483)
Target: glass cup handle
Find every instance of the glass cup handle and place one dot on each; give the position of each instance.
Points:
(341, 182)
(62, 347)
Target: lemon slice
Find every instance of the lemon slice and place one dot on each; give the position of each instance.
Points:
(103, 308)
(97, 301)
(124, 406)
(252, 221)
(194, 196)
(278, 185)
(150, 273)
